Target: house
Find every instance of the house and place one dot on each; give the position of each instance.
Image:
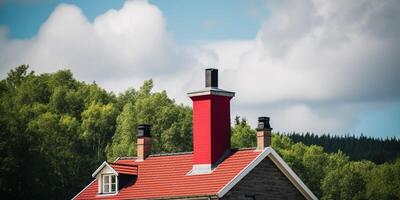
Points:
(212, 171)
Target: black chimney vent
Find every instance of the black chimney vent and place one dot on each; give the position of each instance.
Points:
(263, 124)
(143, 130)
(212, 77)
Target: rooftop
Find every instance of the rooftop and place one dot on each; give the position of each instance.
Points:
(166, 175)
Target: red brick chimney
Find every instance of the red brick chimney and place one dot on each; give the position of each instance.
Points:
(264, 134)
(211, 124)
(143, 142)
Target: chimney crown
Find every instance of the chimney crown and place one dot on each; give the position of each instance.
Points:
(263, 124)
(144, 130)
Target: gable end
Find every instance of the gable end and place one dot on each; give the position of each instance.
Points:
(277, 162)
(265, 181)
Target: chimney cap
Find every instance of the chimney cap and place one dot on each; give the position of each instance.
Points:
(144, 130)
(211, 77)
(211, 86)
(263, 124)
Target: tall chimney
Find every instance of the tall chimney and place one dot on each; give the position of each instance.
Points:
(143, 142)
(264, 134)
(211, 124)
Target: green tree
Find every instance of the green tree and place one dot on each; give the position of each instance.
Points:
(384, 181)
(347, 182)
(242, 134)
(43, 151)
(171, 123)
(124, 139)
(98, 125)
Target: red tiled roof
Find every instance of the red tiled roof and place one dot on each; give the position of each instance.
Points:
(128, 168)
(166, 176)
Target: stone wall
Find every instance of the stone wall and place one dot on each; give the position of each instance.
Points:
(264, 182)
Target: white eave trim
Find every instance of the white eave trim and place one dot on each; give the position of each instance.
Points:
(101, 167)
(280, 163)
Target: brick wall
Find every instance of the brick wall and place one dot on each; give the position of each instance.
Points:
(264, 182)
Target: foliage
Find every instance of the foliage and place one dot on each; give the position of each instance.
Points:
(334, 176)
(98, 126)
(347, 182)
(56, 130)
(384, 181)
(171, 123)
(379, 150)
(242, 134)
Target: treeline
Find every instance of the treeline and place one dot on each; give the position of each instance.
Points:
(56, 130)
(329, 175)
(376, 150)
(335, 176)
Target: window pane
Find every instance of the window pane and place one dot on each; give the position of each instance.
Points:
(113, 184)
(113, 179)
(106, 179)
(106, 188)
(106, 183)
(113, 187)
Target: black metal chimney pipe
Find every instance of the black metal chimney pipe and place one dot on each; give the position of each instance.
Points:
(144, 130)
(212, 77)
(263, 124)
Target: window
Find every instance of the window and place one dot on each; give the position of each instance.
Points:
(109, 183)
(250, 197)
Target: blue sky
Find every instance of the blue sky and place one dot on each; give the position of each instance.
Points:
(187, 21)
(326, 68)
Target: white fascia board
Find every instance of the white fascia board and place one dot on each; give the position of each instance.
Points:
(101, 167)
(268, 151)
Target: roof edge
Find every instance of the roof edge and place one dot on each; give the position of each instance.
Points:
(101, 167)
(297, 182)
(280, 163)
(77, 195)
(193, 197)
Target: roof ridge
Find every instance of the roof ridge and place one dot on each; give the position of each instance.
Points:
(245, 148)
(130, 165)
(156, 155)
(177, 153)
(171, 154)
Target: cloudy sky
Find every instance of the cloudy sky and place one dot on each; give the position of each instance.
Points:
(311, 65)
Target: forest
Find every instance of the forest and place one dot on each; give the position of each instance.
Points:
(56, 130)
(377, 150)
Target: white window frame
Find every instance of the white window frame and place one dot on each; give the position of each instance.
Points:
(108, 177)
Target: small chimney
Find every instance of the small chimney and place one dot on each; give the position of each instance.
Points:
(211, 124)
(143, 142)
(264, 134)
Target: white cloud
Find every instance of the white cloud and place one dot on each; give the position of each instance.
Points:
(314, 56)
(127, 45)
(312, 66)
